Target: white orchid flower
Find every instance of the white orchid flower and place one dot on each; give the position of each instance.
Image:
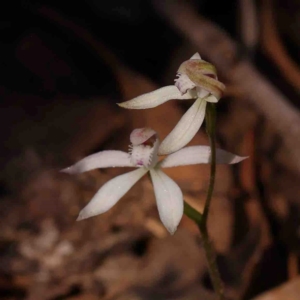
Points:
(197, 79)
(143, 156)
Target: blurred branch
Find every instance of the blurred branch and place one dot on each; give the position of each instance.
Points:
(124, 75)
(274, 48)
(248, 25)
(215, 44)
(81, 33)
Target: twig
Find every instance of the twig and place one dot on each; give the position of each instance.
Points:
(248, 25)
(84, 35)
(274, 48)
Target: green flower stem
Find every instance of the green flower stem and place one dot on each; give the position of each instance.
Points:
(201, 219)
(211, 260)
(192, 213)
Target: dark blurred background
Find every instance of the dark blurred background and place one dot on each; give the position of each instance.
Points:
(64, 66)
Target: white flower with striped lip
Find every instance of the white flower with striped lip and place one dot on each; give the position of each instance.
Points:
(143, 156)
(197, 79)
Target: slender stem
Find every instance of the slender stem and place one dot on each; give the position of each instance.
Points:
(211, 131)
(192, 213)
(201, 219)
(209, 250)
(211, 260)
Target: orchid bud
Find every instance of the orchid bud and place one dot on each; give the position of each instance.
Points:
(199, 73)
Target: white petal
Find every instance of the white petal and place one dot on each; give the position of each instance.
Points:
(185, 129)
(169, 199)
(157, 97)
(110, 193)
(224, 157)
(199, 155)
(196, 56)
(202, 92)
(211, 99)
(103, 159)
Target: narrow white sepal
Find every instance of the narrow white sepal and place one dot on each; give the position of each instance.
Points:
(157, 97)
(185, 129)
(199, 155)
(202, 93)
(169, 199)
(211, 99)
(196, 56)
(103, 159)
(110, 193)
(224, 157)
